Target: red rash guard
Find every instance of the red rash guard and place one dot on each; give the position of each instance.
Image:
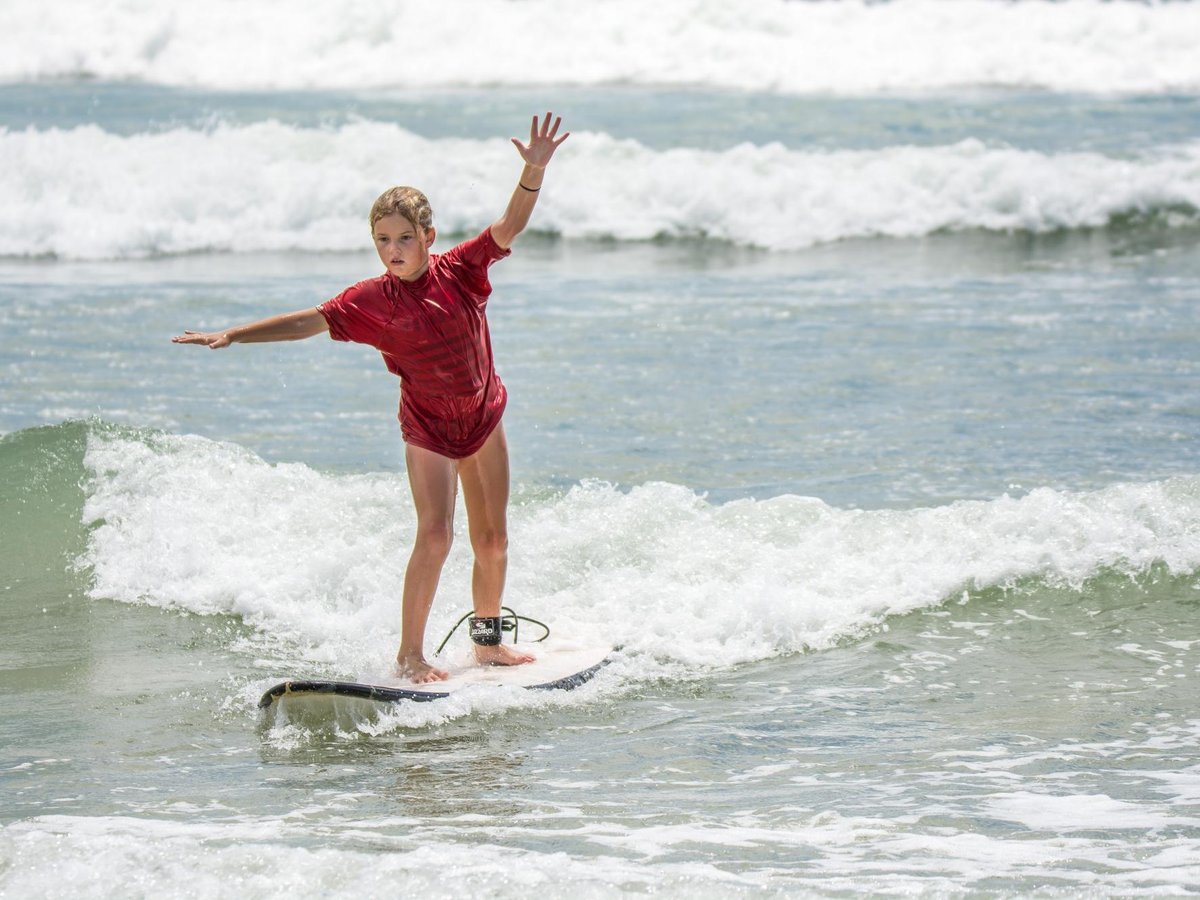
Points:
(433, 333)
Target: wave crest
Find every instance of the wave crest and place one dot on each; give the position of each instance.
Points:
(317, 560)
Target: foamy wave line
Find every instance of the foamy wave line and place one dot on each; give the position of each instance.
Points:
(852, 46)
(318, 559)
(88, 194)
(269, 858)
(199, 856)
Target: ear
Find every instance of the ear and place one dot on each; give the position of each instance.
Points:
(430, 234)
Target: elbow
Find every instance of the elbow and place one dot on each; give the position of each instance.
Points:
(504, 234)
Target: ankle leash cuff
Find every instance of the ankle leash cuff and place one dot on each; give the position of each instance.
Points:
(485, 630)
(489, 630)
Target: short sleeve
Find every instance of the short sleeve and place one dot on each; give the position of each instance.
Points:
(470, 261)
(349, 314)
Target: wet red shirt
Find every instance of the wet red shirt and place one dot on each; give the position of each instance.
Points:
(433, 333)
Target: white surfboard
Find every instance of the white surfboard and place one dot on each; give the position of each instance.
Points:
(556, 668)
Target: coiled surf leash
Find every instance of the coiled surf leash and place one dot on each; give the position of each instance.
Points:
(488, 631)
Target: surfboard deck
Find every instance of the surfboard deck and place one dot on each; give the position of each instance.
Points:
(560, 668)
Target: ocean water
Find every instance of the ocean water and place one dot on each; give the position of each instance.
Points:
(853, 368)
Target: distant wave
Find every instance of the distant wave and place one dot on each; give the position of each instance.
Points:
(85, 193)
(852, 46)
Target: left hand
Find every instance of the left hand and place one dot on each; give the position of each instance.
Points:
(213, 340)
(542, 141)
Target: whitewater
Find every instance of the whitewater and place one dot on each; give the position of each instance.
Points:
(746, 580)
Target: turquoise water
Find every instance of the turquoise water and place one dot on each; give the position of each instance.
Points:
(863, 420)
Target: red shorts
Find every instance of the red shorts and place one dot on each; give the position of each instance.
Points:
(451, 426)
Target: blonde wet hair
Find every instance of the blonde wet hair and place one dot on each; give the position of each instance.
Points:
(407, 202)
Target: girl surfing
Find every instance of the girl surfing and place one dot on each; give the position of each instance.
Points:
(426, 314)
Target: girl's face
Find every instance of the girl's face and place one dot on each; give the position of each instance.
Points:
(402, 247)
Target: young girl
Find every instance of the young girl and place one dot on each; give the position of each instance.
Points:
(426, 315)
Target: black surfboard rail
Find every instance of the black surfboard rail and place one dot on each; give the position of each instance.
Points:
(383, 694)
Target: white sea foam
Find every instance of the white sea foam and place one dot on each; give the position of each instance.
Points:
(1072, 812)
(683, 584)
(85, 193)
(768, 45)
(58, 856)
(821, 852)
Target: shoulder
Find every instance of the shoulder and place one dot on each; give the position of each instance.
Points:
(466, 265)
(361, 294)
(480, 251)
(369, 287)
(357, 312)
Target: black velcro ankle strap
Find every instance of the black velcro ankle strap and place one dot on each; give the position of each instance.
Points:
(485, 630)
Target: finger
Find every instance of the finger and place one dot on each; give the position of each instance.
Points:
(546, 125)
(554, 130)
(533, 130)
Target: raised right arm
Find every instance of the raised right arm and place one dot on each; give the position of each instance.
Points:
(295, 326)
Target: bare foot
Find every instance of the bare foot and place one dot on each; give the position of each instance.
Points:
(418, 671)
(500, 655)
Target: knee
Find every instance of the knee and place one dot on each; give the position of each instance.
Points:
(490, 546)
(434, 541)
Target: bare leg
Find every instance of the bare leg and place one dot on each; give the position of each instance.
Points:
(432, 479)
(485, 491)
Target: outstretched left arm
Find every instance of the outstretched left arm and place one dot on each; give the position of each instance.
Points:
(543, 141)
